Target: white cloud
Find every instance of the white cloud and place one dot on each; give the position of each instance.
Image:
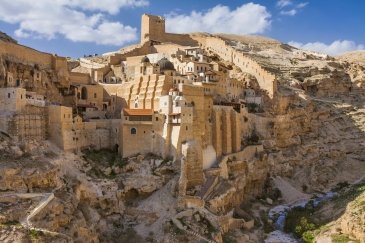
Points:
(283, 3)
(289, 12)
(335, 48)
(294, 8)
(302, 5)
(66, 18)
(110, 6)
(249, 18)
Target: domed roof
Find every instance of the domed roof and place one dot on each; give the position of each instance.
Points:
(165, 64)
(145, 59)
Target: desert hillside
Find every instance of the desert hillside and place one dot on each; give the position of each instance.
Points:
(182, 138)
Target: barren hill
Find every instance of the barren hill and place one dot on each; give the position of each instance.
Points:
(7, 38)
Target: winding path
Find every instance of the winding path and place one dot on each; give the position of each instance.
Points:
(46, 199)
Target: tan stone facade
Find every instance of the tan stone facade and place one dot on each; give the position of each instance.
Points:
(153, 29)
(12, 99)
(165, 96)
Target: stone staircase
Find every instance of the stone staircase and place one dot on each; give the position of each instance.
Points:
(179, 225)
(207, 188)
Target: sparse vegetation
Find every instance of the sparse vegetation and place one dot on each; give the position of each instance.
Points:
(229, 237)
(306, 223)
(34, 233)
(342, 239)
(253, 139)
(105, 157)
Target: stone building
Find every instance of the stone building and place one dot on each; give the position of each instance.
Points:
(71, 133)
(12, 99)
(139, 132)
(22, 117)
(163, 96)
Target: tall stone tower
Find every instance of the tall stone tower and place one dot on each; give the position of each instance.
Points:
(153, 28)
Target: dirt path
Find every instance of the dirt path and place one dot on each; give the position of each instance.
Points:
(46, 199)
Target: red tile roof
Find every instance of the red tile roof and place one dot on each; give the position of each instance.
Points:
(137, 112)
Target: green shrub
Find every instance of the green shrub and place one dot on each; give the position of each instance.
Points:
(298, 221)
(341, 238)
(34, 233)
(308, 236)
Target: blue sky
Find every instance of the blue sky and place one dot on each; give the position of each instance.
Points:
(78, 27)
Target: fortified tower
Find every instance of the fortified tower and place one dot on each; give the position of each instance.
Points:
(153, 28)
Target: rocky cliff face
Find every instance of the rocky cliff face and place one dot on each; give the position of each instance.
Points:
(318, 133)
(24, 75)
(87, 200)
(312, 134)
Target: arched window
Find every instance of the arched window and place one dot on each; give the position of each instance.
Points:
(133, 131)
(84, 93)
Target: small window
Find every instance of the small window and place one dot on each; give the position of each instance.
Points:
(8, 95)
(186, 128)
(94, 95)
(156, 118)
(133, 131)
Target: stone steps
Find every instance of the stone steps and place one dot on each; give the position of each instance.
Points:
(206, 189)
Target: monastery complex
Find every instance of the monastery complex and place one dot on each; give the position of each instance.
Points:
(198, 124)
(171, 95)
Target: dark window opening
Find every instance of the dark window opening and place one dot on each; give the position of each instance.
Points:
(83, 93)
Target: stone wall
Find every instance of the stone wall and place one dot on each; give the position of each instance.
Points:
(192, 161)
(90, 95)
(72, 134)
(80, 78)
(12, 99)
(29, 124)
(246, 171)
(266, 80)
(139, 143)
(226, 130)
(26, 55)
(153, 29)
